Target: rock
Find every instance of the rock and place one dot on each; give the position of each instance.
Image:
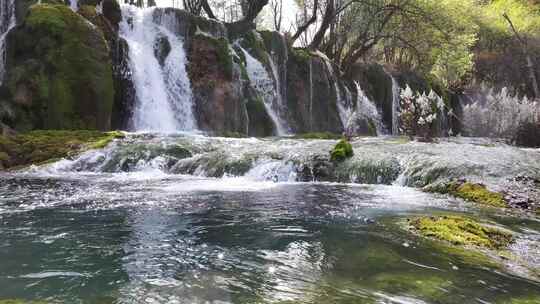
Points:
(59, 72)
(311, 98)
(37, 147)
(162, 48)
(461, 231)
(217, 85)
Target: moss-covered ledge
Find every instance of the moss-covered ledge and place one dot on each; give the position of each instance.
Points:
(38, 147)
(462, 231)
(476, 193)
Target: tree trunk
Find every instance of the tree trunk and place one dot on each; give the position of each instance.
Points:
(530, 64)
(327, 21)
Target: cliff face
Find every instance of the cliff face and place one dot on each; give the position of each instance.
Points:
(59, 72)
(70, 70)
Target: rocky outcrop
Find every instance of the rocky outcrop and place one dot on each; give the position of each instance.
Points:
(218, 86)
(310, 93)
(59, 72)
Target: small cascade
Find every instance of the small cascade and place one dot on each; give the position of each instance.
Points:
(345, 110)
(74, 4)
(266, 87)
(7, 22)
(367, 108)
(164, 100)
(280, 97)
(395, 106)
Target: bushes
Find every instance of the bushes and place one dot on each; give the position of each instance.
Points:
(419, 113)
(341, 151)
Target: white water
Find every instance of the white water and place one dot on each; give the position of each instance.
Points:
(395, 106)
(7, 22)
(368, 109)
(164, 98)
(266, 87)
(74, 4)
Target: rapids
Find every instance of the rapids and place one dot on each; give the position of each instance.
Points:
(191, 219)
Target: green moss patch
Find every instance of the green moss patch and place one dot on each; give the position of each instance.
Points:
(59, 71)
(39, 147)
(476, 193)
(14, 301)
(318, 135)
(461, 231)
(341, 151)
(301, 55)
(224, 56)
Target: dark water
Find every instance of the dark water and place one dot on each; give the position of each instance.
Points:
(139, 238)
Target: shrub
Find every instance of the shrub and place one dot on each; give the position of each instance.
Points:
(341, 151)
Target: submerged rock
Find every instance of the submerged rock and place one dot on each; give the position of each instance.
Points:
(476, 193)
(461, 231)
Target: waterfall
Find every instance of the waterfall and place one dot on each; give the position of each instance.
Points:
(7, 22)
(74, 4)
(365, 107)
(164, 101)
(345, 111)
(281, 107)
(266, 87)
(395, 106)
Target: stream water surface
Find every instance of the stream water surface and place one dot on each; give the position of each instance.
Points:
(150, 227)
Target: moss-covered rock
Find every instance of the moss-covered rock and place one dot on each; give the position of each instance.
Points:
(59, 73)
(318, 135)
(476, 193)
(18, 301)
(217, 84)
(42, 146)
(341, 151)
(461, 231)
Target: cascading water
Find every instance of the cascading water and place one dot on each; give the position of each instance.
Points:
(266, 87)
(74, 4)
(367, 108)
(7, 22)
(395, 106)
(164, 100)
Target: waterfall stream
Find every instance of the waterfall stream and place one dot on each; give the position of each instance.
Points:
(367, 108)
(395, 106)
(164, 100)
(267, 89)
(7, 22)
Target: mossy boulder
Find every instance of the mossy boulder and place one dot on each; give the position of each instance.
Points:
(461, 231)
(59, 72)
(341, 151)
(472, 192)
(37, 147)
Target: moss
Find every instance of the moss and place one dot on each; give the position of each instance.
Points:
(318, 135)
(255, 46)
(38, 147)
(224, 56)
(476, 193)
(461, 231)
(18, 301)
(431, 287)
(341, 151)
(62, 64)
(301, 55)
